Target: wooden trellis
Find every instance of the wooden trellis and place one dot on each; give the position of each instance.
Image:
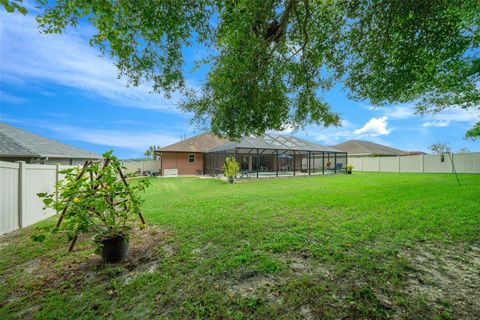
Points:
(94, 175)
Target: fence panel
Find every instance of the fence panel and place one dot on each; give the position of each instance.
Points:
(8, 196)
(356, 163)
(463, 162)
(388, 164)
(38, 178)
(434, 163)
(411, 163)
(147, 165)
(19, 184)
(467, 162)
(370, 164)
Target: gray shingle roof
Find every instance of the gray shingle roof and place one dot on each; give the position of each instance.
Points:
(360, 147)
(274, 142)
(16, 142)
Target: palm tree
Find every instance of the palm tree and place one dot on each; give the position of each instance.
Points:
(150, 152)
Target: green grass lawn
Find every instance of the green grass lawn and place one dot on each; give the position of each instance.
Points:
(365, 245)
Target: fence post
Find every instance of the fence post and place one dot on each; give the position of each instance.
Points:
(378, 164)
(422, 158)
(21, 191)
(57, 178)
(398, 163)
(451, 163)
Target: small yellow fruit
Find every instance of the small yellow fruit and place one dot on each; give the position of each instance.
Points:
(76, 199)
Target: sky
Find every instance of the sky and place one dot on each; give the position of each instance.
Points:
(59, 87)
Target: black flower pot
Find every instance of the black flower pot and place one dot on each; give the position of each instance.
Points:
(115, 249)
(230, 179)
(349, 172)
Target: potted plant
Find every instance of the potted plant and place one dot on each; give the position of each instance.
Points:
(97, 199)
(328, 163)
(231, 168)
(349, 169)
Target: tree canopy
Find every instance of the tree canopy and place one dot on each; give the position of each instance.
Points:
(271, 61)
(150, 152)
(440, 148)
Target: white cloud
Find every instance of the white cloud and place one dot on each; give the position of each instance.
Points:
(66, 59)
(436, 123)
(371, 131)
(375, 127)
(455, 114)
(396, 112)
(4, 97)
(446, 116)
(129, 139)
(399, 112)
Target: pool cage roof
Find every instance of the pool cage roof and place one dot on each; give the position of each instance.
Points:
(270, 143)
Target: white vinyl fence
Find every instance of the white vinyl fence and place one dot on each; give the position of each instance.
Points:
(19, 184)
(145, 165)
(462, 163)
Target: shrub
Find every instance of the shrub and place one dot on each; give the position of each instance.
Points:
(231, 167)
(98, 199)
(349, 168)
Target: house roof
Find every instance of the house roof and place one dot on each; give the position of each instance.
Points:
(15, 142)
(360, 147)
(200, 143)
(272, 142)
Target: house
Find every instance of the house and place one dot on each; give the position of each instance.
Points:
(186, 157)
(20, 145)
(361, 148)
(269, 155)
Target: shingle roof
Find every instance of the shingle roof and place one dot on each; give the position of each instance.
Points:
(200, 143)
(16, 142)
(360, 147)
(274, 142)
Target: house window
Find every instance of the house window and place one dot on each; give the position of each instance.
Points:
(191, 158)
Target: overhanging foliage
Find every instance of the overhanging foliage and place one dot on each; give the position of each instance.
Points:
(271, 61)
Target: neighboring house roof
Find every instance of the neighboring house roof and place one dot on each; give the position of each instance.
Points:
(360, 147)
(16, 142)
(200, 143)
(273, 142)
(414, 153)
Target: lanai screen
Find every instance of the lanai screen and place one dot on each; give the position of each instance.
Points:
(276, 155)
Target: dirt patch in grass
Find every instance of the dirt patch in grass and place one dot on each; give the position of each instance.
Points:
(251, 284)
(446, 278)
(82, 267)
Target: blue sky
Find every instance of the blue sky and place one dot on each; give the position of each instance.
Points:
(58, 86)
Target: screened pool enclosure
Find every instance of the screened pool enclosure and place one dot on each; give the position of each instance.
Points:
(275, 155)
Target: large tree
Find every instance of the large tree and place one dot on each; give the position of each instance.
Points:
(271, 61)
(150, 152)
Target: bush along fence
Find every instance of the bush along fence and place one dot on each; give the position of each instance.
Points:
(19, 184)
(440, 163)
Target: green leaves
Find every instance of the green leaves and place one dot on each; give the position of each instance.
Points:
(473, 133)
(96, 199)
(150, 152)
(11, 6)
(270, 62)
(231, 167)
(37, 237)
